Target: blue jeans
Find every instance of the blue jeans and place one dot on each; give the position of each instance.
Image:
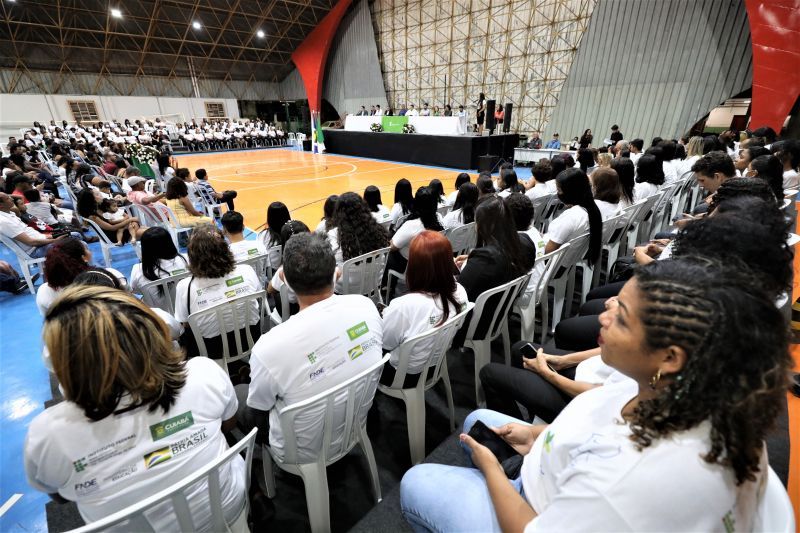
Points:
(41, 251)
(452, 498)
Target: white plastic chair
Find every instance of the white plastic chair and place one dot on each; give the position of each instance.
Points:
(167, 220)
(614, 243)
(443, 210)
(25, 260)
(433, 370)
(279, 316)
(539, 207)
(259, 263)
(525, 306)
(502, 298)
(661, 210)
(362, 274)
(232, 316)
(775, 512)
(551, 211)
(105, 243)
(134, 518)
(335, 443)
(640, 224)
(564, 280)
(165, 300)
(611, 227)
(463, 238)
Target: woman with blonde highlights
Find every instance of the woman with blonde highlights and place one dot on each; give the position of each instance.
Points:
(136, 417)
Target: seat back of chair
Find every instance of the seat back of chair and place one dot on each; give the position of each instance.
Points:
(551, 211)
(774, 512)
(174, 499)
(542, 272)
(680, 204)
(235, 315)
(100, 233)
(401, 220)
(539, 207)
(463, 238)
(496, 303)
(362, 274)
(645, 216)
(165, 215)
(629, 215)
(612, 227)
(259, 263)
(21, 254)
(337, 415)
(662, 209)
(165, 298)
(275, 255)
(433, 344)
(443, 210)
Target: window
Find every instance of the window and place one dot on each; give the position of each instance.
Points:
(215, 109)
(83, 110)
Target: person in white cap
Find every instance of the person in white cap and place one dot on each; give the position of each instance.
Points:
(138, 195)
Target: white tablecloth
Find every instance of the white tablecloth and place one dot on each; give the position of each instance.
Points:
(532, 155)
(424, 125)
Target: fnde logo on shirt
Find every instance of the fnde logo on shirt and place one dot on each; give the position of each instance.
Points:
(170, 426)
(357, 330)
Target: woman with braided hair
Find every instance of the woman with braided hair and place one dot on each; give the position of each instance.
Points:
(704, 386)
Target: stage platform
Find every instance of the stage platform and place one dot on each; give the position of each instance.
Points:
(453, 151)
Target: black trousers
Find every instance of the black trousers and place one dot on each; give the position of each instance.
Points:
(227, 197)
(577, 333)
(505, 386)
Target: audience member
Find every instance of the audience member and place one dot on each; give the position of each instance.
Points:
(31, 242)
(649, 177)
(277, 216)
(423, 216)
(121, 375)
(356, 231)
(347, 339)
(581, 215)
(769, 169)
(607, 192)
(403, 201)
(278, 281)
(64, 260)
(711, 171)
(372, 196)
(508, 183)
(177, 199)
(207, 192)
(463, 211)
(436, 186)
(460, 180)
(626, 172)
(326, 224)
(160, 259)
(233, 228)
(542, 184)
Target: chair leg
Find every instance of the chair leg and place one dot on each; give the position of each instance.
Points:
(415, 418)
(366, 447)
(483, 356)
(106, 256)
(586, 280)
(448, 390)
(569, 295)
(506, 344)
(558, 301)
(315, 479)
(269, 472)
(26, 273)
(545, 317)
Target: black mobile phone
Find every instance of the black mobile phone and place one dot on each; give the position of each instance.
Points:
(483, 435)
(529, 352)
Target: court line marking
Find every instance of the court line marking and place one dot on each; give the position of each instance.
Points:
(9, 503)
(285, 182)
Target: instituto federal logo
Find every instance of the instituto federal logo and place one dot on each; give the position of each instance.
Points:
(357, 330)
(170, 426)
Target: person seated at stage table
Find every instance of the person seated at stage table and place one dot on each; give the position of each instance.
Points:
(536, 141)
(403, 201)
(461, 179)
(448, 111)
(362, 112)
(463, 211)
(412, 112)
(425, 111)
(554, 143)
(372, 196)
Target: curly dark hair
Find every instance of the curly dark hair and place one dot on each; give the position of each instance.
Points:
(359, 232)
(209, 254)
(748, 229)
(737, 359)
(176, 188)
(738, 187)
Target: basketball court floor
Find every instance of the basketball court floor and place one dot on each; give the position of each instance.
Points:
(303, 180)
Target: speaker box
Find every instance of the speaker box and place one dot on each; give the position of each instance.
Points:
(307, 145)
(507, 118)
(486, 163)
(490, 108)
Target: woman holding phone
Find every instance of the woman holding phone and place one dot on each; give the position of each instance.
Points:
(672, 423)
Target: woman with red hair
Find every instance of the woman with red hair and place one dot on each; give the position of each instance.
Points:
(64, 260)
(434, 296)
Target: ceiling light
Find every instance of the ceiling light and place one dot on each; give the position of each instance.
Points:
(196, 25)
(116, 13)
(260, 34)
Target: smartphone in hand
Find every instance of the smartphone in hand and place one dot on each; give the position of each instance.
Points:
(484, 435)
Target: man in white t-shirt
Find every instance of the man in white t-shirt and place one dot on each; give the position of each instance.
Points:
(412, 112)
(242, 249)
(31, 241)
(330, 340)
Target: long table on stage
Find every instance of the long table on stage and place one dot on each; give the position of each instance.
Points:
(454, 151)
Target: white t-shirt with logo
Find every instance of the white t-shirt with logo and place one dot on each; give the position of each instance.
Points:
(244, 250)
(108, 465)
(538, 269)
(318, 348)
(172, 267)
(412, 314)
(208, 292)
(585, 461)
(572, 223)
(382, 215)
(403, 237)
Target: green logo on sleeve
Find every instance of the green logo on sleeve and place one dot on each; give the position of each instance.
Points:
(234, 281)
(170, 426)
(252, 251)
(357, 330)
(548, 439)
